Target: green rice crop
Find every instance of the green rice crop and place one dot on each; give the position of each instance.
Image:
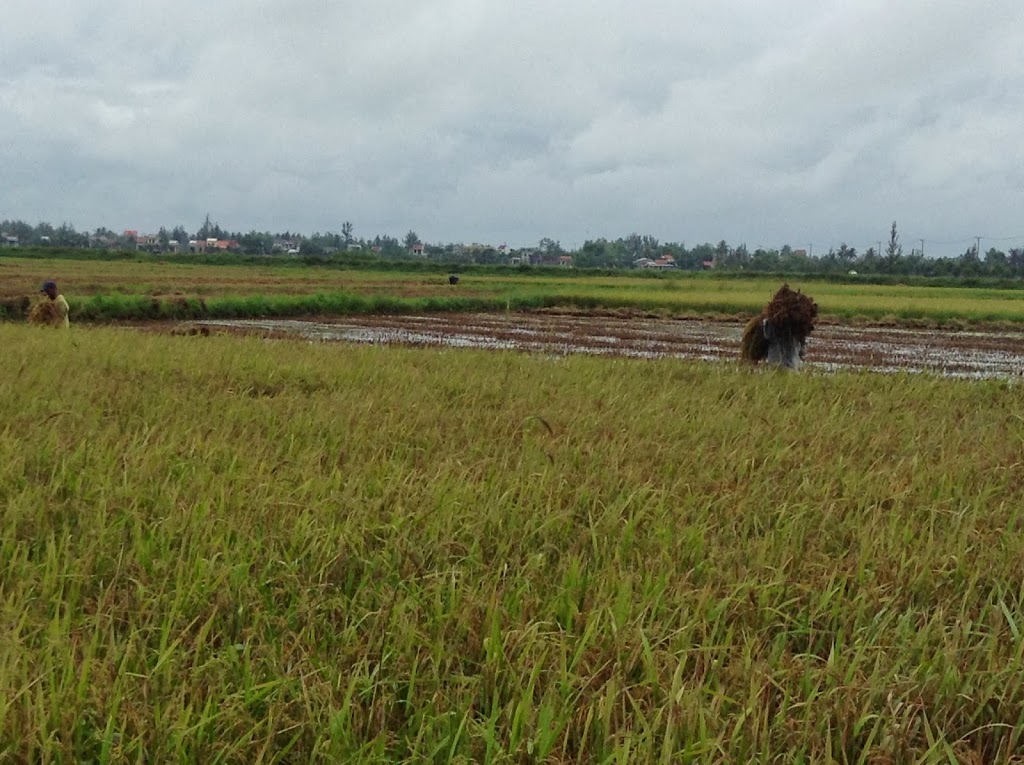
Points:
(222, 549)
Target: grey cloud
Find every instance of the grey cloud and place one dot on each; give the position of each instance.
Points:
(764, 123)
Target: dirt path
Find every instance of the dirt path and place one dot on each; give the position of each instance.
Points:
(954, 354)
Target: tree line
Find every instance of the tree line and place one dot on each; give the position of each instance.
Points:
(890, 259)
(622, 253)
(178, 238)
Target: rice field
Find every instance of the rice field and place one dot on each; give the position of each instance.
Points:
(148, 289)
(227, 549)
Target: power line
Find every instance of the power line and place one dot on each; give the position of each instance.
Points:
(949, 241)
(1018, 237)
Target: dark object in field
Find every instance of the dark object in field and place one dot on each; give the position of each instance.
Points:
(15, 308)
(453, 279)
(191, 330)
(779, 335)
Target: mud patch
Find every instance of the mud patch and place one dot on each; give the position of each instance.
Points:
(977, 355)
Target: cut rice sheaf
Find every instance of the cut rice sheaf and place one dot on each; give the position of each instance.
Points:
(43, 312)
(790, 313)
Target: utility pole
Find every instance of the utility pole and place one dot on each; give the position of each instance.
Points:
(922, 247)
(977, 246)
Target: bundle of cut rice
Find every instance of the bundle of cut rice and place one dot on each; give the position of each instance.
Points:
(788, 314)
(792, 313)
(43, 312)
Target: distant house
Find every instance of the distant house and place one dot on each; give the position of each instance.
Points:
(8, 240)
(417, 249)
(707, 264)
(666, 261)
(212, 243)
(103, 242)
(550, 259)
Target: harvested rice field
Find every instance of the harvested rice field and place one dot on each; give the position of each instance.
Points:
(967, 354)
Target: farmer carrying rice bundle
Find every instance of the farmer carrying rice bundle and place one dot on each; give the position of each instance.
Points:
(779, 334)
(53, 311)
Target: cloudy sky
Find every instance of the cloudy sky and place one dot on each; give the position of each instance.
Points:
(496, 121)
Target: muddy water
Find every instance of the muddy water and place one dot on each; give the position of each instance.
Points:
(954, 354)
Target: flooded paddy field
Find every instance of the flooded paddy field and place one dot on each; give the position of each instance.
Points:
(967, 354)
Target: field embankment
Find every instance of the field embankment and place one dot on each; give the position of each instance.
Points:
(222, 549)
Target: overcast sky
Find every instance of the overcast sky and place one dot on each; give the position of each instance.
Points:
(506, 121)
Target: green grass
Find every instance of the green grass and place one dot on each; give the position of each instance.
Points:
(231, 550)
(134, 307)
(942, 305)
